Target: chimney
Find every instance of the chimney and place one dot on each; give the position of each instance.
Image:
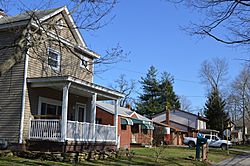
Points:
(167, 116)
(2, 14)
(128, 106)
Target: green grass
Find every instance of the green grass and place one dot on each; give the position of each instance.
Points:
(123, 161)
(214, 155)
(142, 156)
(242, 147)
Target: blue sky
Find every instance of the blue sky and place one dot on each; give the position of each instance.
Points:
(150, 31)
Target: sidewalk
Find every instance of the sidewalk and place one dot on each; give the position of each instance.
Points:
(238, 160)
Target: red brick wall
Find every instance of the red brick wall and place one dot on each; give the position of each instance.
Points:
(142, 138)
(108, 119)
(125, 135)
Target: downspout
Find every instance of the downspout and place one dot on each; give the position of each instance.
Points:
(24, 96)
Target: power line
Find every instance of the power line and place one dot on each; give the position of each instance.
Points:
(133, 71)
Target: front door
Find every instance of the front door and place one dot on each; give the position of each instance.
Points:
(80, 115)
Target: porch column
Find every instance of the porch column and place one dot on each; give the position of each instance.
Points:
(116, 121)
(93, 113)
(65, 111)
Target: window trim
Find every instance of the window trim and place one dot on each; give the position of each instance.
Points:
(58, 60)
(47, 101)
(60, 24)
(85, 59)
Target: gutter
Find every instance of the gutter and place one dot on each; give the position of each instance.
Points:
(23, 97)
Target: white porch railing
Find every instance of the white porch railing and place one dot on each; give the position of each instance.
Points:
(80, 131)
(83, 131)
(47, 129)
(105, 132)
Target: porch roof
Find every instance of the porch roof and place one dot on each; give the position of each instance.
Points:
(78, 86)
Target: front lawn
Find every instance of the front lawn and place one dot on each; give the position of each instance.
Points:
(141, 156)
(214, 155)
(242, 147)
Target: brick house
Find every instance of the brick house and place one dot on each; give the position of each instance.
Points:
(182, 123)
(48, 97)
(133, 128)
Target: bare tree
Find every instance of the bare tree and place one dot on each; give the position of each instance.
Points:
(125, 87)
(213, 73)
(186, 104)
(241, 89)
(88, 15)
(224, 20)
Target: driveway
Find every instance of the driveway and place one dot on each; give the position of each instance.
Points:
(238, 160)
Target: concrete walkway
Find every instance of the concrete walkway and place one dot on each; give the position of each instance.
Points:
(238, 160)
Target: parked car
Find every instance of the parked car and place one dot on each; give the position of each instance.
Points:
(212, 140)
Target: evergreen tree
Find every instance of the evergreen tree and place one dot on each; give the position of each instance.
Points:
(148, 102)
(167, 94)
(215, 111)
(156, 94)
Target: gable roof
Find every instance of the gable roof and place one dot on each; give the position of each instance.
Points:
(122, 111)
(161, 116)
(23, 17)
(110, 108)
(42, 15)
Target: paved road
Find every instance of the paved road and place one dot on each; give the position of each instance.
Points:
(238, 160)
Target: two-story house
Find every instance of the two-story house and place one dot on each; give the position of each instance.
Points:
(186, 123)
(47, 92)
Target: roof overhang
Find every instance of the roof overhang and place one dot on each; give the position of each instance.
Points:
(82, 47)
(78, 86)
(161, 124)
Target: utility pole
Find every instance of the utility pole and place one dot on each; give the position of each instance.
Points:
(243, 111)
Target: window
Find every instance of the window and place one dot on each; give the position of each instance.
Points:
(54, 59)
(123, 127)
(98, 121)
(135, 128)
(84, 62)
(80, 114)
(50, 107)
(60, 24)
(215, 138)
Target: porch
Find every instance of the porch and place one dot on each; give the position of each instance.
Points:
(63, 109)
(50, 129)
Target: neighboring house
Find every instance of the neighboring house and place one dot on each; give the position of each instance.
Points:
(182, 124)
(237, 132)
(164, 134)
(48, 98)
(133, 128)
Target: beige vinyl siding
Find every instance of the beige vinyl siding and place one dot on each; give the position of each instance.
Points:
(11, 84)
(70, 62)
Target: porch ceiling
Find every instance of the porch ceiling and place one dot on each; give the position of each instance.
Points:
(78, 87)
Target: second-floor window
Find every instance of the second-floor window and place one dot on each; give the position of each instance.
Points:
(84, 62)
(54, 59)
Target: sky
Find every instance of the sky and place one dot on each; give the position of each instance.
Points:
(149, 30)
